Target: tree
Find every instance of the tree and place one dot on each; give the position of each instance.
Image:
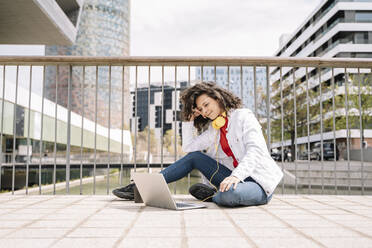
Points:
(312, 98)
(142, 143)
(362, 82)
(169, 142)
(283, 105)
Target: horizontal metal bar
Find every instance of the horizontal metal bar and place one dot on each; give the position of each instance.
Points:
(182, 61)
(86, 166)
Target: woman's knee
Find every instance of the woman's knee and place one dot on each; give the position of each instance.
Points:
(230, 198)
(195, 154)
(241, 196)
(195, 157)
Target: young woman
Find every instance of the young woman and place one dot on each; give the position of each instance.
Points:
(225, 143)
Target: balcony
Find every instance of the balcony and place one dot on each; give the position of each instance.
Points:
(41, 22)
(66, 143)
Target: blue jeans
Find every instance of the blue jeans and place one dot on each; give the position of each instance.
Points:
(247, 193)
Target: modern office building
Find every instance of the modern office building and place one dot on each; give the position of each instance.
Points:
(151, 115)
(67, 27)
(39, 22)
(103, 30)
(335, 29)
(231, 78)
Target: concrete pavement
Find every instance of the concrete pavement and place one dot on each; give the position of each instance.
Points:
(104, 221)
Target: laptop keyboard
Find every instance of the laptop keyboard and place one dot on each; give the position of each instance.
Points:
(181, 204)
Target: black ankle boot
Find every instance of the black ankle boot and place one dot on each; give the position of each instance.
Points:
(126, 192)
(202, 192)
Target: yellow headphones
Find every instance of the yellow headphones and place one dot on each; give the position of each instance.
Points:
(219, 121)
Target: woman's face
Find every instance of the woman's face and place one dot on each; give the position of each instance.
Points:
(208, 107)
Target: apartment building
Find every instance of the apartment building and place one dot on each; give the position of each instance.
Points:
(151, 113)
(335, 29)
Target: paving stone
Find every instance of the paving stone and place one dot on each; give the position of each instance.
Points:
(85, 242)
(32, 211)
(123, 216)
(59, 216)
(119, 223)
(297, 212)
(311, 223)
(260, 232)
(272, 223)
(15, 216)
(285, 242)
(26, 243)
(7, 206)
(5, 231)
(301, 217)
(345, 217)
(364, 230)
(208, 222)
(157, 221)
(13, 223)
(72, 210)
(320, 232)
(252, 217)
(54, 224)
(102, 221)
(327, 212)
(154, 232)
(96, 232)
(218, 242)
(37, 233)
(342, 242)
(151, 242)
(353, 224)
(211, 232)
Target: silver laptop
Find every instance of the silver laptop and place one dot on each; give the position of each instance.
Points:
(155, 192)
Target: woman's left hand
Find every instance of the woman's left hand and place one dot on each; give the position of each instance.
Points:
(228, 182)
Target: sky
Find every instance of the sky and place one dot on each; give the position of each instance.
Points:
(204, 28)
(214, 27)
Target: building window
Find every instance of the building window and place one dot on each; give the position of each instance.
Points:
(363, 16)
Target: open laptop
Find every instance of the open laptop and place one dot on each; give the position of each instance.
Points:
(154, 192)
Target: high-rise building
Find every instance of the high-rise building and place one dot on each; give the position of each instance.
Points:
(335, 29)
(230, 78)
(152, 115)
(103, 30)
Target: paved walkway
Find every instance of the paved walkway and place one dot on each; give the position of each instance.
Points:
(104, 221)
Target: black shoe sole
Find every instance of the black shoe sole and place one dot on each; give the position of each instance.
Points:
(202, 192)
(124, 195)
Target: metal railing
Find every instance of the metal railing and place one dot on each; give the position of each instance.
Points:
(81, 116)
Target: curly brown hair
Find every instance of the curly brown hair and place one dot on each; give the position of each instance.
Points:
(225, 98)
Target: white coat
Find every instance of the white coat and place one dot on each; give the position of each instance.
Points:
(247, 143)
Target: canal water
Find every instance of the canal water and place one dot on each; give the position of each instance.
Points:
(179, 187)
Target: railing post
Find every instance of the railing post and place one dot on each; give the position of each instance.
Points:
(41, 131)
(361, 130)
(82, 131)
(28, 133)
(14, 130)
(268, 102)
(68, 146)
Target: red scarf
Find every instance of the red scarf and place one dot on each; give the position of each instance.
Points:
(225, 144)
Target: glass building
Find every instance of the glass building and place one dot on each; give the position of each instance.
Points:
(103, 30)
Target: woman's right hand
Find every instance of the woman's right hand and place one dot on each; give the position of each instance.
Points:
(195, 113)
